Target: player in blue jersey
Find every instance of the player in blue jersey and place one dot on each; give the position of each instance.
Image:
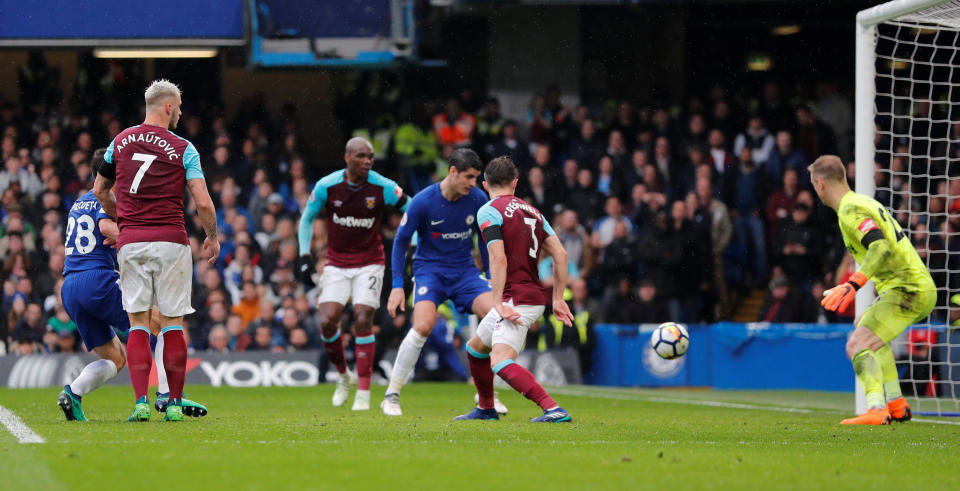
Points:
(91, 297)
(444, 217)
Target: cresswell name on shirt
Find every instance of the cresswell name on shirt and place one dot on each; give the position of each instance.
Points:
(513, 206)
(150, 138)
(353, 222)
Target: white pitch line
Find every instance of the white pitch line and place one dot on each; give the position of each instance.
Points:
(692, 402)
(18, 428)
(935, 421)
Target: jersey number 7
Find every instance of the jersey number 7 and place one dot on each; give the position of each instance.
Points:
(147, 160)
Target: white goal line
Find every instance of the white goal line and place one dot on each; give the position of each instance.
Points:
(18, 428)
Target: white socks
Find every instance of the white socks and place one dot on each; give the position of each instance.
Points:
(407, 357)
(162, 386)
(93, 375)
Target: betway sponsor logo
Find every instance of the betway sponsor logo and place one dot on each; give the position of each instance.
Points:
(353, 222)
(454, 235)
(265, 373)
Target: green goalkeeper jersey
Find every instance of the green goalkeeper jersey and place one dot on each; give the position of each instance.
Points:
(894, 263)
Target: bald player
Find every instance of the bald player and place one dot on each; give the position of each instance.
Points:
(353, 200)
(906, 293)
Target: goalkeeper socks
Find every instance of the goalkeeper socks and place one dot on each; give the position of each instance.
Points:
(482, 377)
(524, 382)
(366, 349)
(334, 348)
(891, 380)
(867, 367)
(93, 375)
(174, 359)
(139, 359)
(162, 386)
(407, 357)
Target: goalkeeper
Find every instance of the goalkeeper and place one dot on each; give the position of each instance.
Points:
(906, 293)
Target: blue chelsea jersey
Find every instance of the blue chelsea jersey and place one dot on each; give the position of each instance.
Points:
(84, 246)
(445, 232)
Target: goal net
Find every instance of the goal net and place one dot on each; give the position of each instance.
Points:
(912, 129)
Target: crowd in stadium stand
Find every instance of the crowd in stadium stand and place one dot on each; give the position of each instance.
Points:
(666, 213)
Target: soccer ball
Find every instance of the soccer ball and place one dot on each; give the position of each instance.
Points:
(670, 340)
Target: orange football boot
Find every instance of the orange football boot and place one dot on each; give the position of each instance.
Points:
(871, 417)
(899, 410)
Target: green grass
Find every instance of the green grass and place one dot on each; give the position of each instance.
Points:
(291, 438)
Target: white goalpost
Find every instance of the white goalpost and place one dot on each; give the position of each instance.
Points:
(908, 123)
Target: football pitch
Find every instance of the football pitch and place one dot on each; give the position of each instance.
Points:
(291, 438)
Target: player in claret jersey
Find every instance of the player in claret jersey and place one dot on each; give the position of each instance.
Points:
(353, 200)
(906, 292)
(515, 233)
(150, 165)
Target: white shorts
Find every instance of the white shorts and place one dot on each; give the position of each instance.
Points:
(496, 330)
(338, 285)
(158, 273)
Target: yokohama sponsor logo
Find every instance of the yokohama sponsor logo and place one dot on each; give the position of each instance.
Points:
(353, 222)
(243, 373)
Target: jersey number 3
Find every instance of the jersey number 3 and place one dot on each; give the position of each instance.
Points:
(147, 160)
(532, 222)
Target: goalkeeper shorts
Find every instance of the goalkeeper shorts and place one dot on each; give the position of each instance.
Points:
(895, 310)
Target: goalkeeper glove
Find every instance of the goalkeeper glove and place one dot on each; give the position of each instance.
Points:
(838, 298)
(304, 270)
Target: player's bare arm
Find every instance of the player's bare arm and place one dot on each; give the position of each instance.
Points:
(555, 249)
(396, 301)
(109, 230)
(208, 217)
(102, 190)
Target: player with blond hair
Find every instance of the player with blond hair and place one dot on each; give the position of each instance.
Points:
(906, 293)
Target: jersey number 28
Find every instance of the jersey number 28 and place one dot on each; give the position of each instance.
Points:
(85, 241)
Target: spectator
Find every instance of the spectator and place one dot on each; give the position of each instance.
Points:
(722, 160)
(813, 137)
(647, 308)
(757, 139)
(299, 341)
(454, 126)
(692, 269)
(721, 231)
(219, 340)
(239, 339)
(784, 304)
(784, 157)
(586, 200)
(609, 181)
(575, 240)
(800, 248)
(585, 148)
(415, 144)
(603, 230)
(618, 260)
(781, 202)
(31, 327)
(633, 174)
(745, 197)
(511, 145)
(540, 195)
(249, 305)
